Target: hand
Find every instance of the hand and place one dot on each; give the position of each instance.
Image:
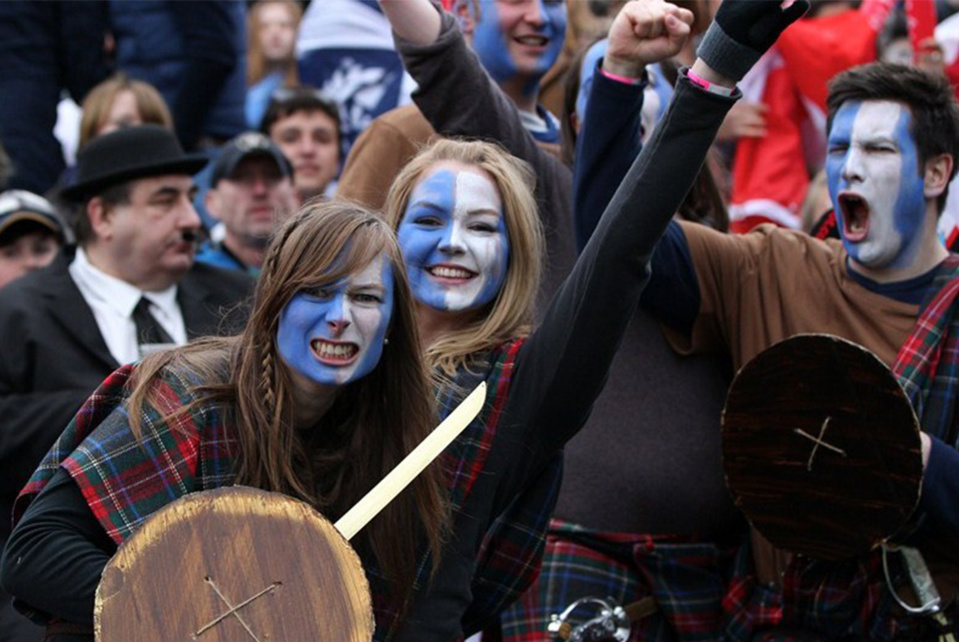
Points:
(743, 120)
(644, 32)
(742, 32)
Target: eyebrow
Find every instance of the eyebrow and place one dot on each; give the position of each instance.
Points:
(484, 210)
(168, 190)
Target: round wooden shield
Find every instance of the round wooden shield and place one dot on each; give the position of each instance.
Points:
(821, 447)
(235, 564)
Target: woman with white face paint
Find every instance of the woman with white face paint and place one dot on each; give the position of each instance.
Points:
(321, 395)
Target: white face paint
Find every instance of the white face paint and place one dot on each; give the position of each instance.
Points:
(875, 183)
(454, 239)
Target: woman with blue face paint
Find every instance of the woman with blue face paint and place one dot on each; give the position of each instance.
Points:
(321, 395)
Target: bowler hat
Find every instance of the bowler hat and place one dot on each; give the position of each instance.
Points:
(127, 154)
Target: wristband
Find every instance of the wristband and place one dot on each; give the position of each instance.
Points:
(623, 79)
(712, 88)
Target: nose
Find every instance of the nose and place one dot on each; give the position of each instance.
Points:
(452, 243)
(258, 185)
(189, 219)
(338, 319)
(337, 326)
(852, 169)
(535, 12)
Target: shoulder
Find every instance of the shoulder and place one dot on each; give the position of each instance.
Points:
(406, 123)
(222, 283)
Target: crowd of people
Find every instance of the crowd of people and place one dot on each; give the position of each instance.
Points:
(273, 243)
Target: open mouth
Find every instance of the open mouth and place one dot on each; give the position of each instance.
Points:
(334, 353)
(855, 216)
(532, 40)
(450, 273)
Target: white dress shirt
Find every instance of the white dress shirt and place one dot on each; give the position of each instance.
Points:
(112, 301)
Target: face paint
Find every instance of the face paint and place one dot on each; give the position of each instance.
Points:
(519, 38)
(454, 239)
(875, 183)
(333, 335)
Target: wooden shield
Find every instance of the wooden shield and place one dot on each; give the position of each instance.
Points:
(235, 564)
(821, 447)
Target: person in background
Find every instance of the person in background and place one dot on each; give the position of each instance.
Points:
(271, 61)
(31, 234)
(306, 126)
(121, 101)
(251, 194)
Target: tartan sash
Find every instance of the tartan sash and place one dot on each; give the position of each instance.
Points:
(927, 365)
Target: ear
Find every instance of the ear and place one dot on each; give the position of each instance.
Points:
(464, 11)
(211, 201)
(99, 216)
(936, 176)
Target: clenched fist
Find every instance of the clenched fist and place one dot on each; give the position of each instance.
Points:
(644, 32)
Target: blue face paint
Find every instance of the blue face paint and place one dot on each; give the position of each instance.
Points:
(874, 179)
(334, 335)
(454, 240)
(510, 46)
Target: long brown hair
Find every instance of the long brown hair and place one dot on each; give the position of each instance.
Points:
(255, 62)
(510, 314)
(373, 422)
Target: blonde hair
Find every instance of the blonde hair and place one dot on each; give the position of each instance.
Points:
(510, 314)
(373, 423)
(96, 106)
(255, 62)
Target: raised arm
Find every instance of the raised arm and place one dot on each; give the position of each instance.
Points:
(563, 366)
(454, 92)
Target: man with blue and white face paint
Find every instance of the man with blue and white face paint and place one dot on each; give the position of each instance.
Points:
(879, 191)
(454, 239)
(888, 285)
(333, 335)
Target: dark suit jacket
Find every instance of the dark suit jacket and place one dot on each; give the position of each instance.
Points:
(52, 356)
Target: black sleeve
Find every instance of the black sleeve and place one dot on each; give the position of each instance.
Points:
(564, 364)
(208, 37)
(53, 560)
(608, 143)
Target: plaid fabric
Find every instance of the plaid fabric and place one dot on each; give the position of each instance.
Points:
(928, 363)
(686, 578)
(511, 551)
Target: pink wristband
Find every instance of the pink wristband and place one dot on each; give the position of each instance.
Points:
(622, 79)
(712, 88)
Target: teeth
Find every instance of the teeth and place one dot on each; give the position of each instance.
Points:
(334, 350)
(533, 40)
(450, 273)
(857, 226)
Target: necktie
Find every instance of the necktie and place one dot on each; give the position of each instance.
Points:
(149, 330)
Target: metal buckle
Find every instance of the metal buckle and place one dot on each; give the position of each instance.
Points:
(611, 624)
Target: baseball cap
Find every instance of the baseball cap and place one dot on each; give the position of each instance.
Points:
(17, 206)
(246, 146)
